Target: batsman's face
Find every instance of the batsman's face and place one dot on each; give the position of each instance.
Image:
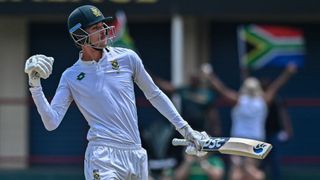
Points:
(98, 35)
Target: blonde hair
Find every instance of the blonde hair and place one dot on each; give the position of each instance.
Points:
(251, 86)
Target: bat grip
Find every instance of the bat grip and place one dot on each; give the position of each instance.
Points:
(180, 142)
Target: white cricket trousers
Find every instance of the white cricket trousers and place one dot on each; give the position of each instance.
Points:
(110, 163)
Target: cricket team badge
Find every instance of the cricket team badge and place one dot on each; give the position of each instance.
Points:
(96, 174)
(115, 65)
(95, 11)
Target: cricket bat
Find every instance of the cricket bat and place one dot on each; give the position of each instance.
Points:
(231, 145)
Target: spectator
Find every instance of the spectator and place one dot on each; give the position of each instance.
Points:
(278, 130)
(196, 103)
(196, 168)
(249, 113)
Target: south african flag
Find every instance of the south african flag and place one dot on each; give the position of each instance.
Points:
(121, 32)
(266, 45)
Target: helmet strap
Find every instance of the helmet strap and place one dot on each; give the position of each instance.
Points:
(82, 37)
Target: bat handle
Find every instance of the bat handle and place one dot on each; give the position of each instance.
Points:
(180, 142)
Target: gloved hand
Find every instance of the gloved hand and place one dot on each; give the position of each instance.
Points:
(283, 136)
(38, 66)
(196, 140)
(206, 68)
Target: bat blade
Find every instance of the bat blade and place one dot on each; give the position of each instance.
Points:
(231, 145)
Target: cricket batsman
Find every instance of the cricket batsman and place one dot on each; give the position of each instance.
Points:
(101, 83)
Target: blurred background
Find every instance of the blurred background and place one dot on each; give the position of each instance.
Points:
(173, 38)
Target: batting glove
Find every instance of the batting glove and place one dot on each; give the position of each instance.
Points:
(196, 138)
(38, 66)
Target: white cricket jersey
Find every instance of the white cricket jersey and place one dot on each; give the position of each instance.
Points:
(248, 117)
(104, 93)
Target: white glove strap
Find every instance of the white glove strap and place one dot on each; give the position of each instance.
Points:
(189, 134)
(34, 79)
(186, 132)
(196, 138)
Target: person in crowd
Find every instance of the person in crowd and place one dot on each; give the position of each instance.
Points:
(209, 167)
(196, 103)
(279, 130)
(249, 113)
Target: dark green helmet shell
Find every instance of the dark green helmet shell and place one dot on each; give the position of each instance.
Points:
(85, 16)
